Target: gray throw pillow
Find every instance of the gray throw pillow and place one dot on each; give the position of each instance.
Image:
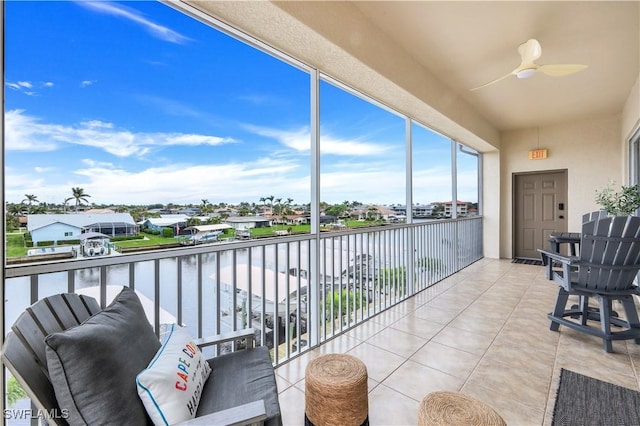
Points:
(93, 366)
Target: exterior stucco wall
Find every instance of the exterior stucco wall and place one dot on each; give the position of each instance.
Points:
(55, 232)
(589, 150)
(630, 123)
(631, 112)
(491, 204)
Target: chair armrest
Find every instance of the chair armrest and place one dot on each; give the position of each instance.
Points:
(231, 336)
(570, 260)
(246, 414)
(568, 263)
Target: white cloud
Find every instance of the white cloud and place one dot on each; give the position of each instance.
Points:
(38, 169)
(27, 133)
(300, 140)
(87, 83)
(157, 30)
(88, 162)
(184, 183)
(26, 87)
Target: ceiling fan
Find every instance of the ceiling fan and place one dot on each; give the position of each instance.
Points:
(529, 52)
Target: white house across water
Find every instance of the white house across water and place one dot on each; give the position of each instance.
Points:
(66, 227)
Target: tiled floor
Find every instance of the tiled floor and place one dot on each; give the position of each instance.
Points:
(483, 332)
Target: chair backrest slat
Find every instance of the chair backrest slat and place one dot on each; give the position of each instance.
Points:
(24, 348)
(610, 246)
(598, 214)
(34, 381)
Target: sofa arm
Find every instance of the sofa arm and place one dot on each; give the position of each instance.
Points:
(247, 414)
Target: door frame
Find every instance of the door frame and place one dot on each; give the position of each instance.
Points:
(514, 199)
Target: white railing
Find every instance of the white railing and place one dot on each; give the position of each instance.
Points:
(296, 291)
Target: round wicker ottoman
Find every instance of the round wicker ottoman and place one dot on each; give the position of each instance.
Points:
(451, 408)
(336, 391)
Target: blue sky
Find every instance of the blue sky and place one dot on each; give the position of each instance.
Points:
(137, 103)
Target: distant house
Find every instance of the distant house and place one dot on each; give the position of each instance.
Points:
(293, 219)
(248, 222)
(99, 211)
(175, 221)
(374, 212)
(64, 227)
(190, 211)
(423, 210)
(461, 208)
(327, 218)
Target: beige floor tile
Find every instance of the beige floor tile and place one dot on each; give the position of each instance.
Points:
(389, 316)
(398, 342)
(477, 323)
(511, 383)
(417, 380)
(513, 412)
(388, 407)
(366, 330)
(537, 362)
(449, 360)
(380, 363)
(340, 344)
(293, 371)
(417, 326)
(439, 314)
(282, 383)
(464, 340)
(292, 406)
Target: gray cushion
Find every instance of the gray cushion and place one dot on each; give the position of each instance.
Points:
(93, 366)
(238, 378)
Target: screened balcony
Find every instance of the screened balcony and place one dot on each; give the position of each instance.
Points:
(297, 292)
(441, 300)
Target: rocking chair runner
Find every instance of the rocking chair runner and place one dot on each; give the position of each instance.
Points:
(605, 269)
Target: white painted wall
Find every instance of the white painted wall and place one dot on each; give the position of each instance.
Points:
(54, 232)
(589, 150)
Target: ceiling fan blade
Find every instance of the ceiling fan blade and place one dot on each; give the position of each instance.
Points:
(559, 70)
(530, 51)
(493, 81)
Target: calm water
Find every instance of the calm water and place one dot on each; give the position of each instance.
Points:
(17, 289)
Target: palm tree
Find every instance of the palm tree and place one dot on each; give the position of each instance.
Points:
(271, 198)
(30, 198)
(206, 207)
(79, 196)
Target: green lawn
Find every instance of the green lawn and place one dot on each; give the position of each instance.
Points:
(15, 245)
(16, 248)
(150, 240)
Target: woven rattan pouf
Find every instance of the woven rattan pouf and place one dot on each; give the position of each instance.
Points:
(336, 391)
(450, 408)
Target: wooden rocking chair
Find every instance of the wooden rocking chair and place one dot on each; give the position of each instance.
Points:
(606, 268)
